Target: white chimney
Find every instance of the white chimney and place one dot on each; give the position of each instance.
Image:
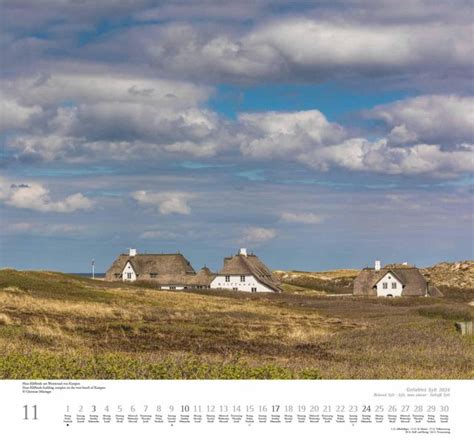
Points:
(243, 252)
(405, 263)
(377, 265)
(132, 252)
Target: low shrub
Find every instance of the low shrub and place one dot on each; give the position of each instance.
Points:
(402, 301)
(453, 312)
(458, 293)
(44, 365)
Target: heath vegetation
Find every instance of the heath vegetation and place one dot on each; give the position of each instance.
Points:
(54, 325)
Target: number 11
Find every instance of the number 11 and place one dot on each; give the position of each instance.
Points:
(35, 416)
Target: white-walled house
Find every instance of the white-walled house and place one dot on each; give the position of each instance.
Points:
(169, 271)
(393, 281)
(245, 272)
(128, 273)
(242, 272)
(389, 285)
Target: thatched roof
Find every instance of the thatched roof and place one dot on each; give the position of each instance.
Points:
(434, 291)
(249, 265)
(414, 283)
(203, 277)
(158, 264)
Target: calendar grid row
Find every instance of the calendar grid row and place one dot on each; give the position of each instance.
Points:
(271, 417)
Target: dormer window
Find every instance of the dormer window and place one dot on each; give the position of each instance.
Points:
(242, 278)
(153, 275)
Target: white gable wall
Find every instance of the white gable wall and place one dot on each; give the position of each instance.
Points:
(128, 274)
(219, 282)
(389, 280)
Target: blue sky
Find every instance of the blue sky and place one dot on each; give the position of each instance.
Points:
(335, 101)
(317, 134)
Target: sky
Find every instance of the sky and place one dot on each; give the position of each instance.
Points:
(316, 134)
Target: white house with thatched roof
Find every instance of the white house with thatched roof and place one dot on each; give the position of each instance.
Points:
(393, 281)
(170, 271)
(245, 272)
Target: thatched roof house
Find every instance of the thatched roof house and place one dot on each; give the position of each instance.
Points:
(245, 272)
(166, 270)
(392, 281)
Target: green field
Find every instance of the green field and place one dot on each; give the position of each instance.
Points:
(54, 325)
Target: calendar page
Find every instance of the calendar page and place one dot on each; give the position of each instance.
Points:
(236, 220)
(230, 410)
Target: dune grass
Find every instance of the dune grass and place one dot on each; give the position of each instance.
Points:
(58, 326)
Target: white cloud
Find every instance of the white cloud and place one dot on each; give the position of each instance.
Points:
(258, 234)
(123, 133)
(279, 134)
(428, 119)
(310, 48)
(415, 143)
(14, 115)
(361, 155)
(308, 137)
(80, 117)
(166, 202)
(302, 218)
(83, 87)
(35, 196)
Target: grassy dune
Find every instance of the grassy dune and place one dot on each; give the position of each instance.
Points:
(332, 281)
(59, 326)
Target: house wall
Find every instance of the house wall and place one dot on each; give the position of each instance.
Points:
(219, 282)
(389, 279)
(128, 271)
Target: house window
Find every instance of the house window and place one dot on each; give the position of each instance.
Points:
(254, 289)
(242, 278)
(227, 279)
(172, 288)
(129, 276)
(385, 285)
(394, 285)
(234, 289)
(153, 275)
